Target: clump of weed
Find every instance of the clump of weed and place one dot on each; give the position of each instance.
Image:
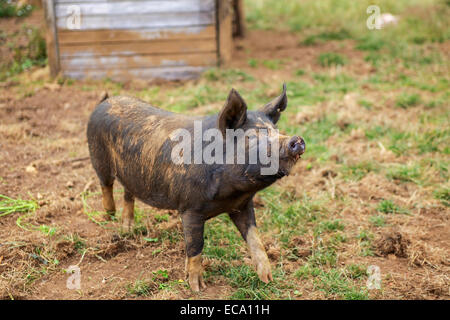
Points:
(329, 226)
(373, 58)
(140, 288)
(370, 43)
(9, 9)
(365, 242)
(323, 256)
(273, 64)
(252, 62)
(388, 206)
(378, 220)
(162, 217)
(25, 57)
(336, 282)
(376, 132)
(230, 75)
(404, 173)
(341, 34)
(329, 59)
(443, 195)
(366, 104)
(356, 271)
(357, 171)
(9, 205)
(408, 100)
(248, 285)
(159, 281)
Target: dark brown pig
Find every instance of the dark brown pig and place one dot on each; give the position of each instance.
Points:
(133, 141)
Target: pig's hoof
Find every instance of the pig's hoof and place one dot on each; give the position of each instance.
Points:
(127, 225)
(196, 282)
(264, 272)
(110, 215)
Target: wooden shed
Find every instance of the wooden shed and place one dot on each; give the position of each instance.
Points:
(146, 39)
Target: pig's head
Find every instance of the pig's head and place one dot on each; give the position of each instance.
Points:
(261, 124)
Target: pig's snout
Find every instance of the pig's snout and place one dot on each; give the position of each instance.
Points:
(296, 146)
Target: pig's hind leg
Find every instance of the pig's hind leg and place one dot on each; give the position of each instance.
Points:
(101, 163)
(128, 211)
(245, 222)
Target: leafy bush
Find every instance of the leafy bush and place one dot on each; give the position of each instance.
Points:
(9, 9)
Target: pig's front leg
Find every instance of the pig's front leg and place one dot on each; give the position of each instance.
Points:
(246, 224)
(193, 226)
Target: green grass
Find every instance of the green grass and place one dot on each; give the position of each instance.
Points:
(246, 283)
(222, 240)
(160, 280)
(326, 36)
(357, 171)
(323, 256)
(334, 282)
(140, 288)
(408, 100)
(300, 72)
(427, 139)
(228, 75)
(404, 173)
(370, 42)
(388, 206)
(329, 59)
(378, 220)
(342, 19)
(78, 242)
(365, 238)
(93, 215)
(356, 271)
(443, 194)
(329, 226)
(273, 64)
(162, 217)
(9, 205)
(337, 283)
(253, 62)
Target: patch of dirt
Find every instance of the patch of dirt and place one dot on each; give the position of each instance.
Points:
(392, 243)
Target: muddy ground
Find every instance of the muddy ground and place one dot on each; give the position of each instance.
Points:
(44, 156)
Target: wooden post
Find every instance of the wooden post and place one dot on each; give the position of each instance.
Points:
(238, 18)
(51, 37)
(225, 30)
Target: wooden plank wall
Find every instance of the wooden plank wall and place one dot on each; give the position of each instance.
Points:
(124, 39)
(225, 20)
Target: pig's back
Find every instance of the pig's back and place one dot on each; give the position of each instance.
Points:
(136, 138)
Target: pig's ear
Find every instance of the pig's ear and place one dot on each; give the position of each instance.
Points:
(274, 108)
(233, 114)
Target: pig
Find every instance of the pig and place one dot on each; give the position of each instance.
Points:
(131, 140)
